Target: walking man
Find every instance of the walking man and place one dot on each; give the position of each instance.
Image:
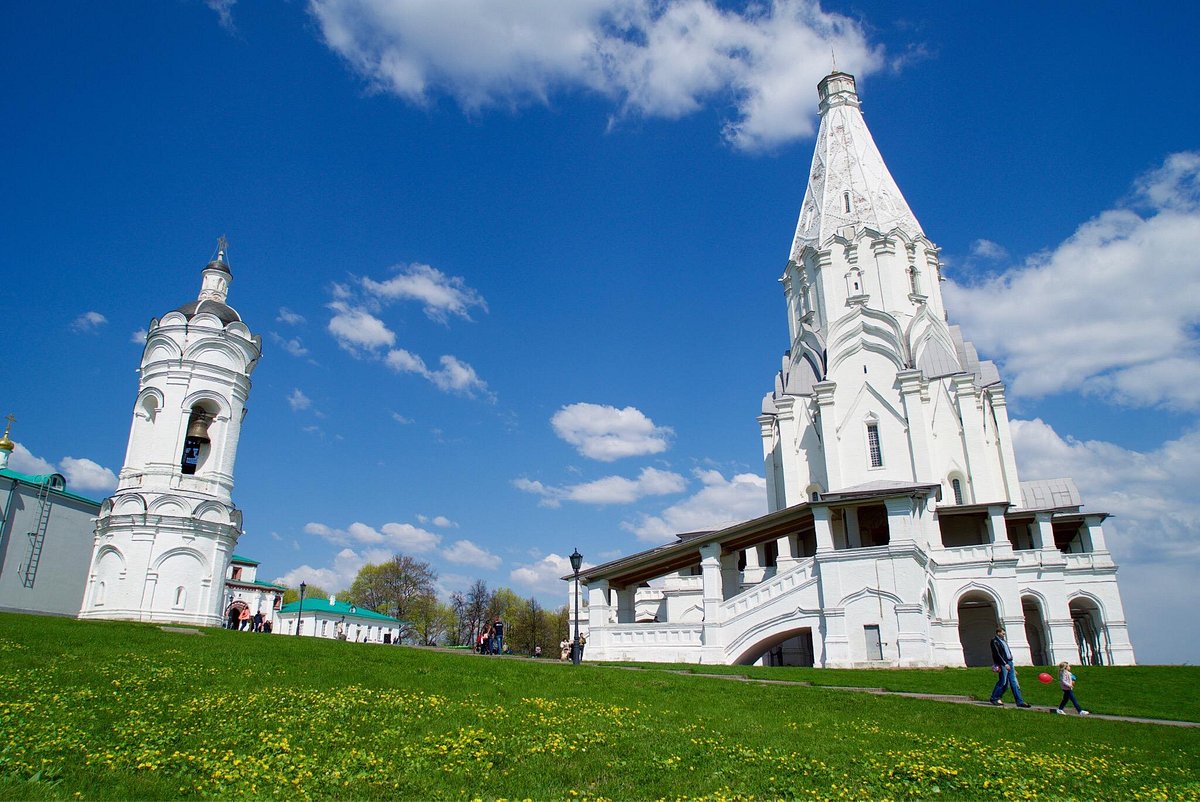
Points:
(1002, 664)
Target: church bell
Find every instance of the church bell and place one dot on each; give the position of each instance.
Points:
(198, 426)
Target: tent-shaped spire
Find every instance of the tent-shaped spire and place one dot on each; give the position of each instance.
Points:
(848, 185)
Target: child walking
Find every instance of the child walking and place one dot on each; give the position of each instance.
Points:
(1067, 680)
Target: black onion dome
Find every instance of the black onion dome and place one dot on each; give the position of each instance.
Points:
(219, 264)
(226, 314)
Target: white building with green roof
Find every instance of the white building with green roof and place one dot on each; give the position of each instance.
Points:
(322, 617)
(245, 591)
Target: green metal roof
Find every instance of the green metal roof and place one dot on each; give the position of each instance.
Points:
(237, 558)
(257, 583)
(37, 480)
(339, 608)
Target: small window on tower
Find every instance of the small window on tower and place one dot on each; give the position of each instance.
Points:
(846, 202)
(873, 448)
(957, 485)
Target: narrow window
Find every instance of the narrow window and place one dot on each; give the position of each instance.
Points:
(237, 572)
(771, 554)
(846, 202)
(873, 445)
(98, 596)
(180, 597)
(913, 282)
(957, 485)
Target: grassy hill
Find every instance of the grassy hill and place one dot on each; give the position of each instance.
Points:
(118, 711)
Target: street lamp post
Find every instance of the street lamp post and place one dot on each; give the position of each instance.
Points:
(300, 612)
(576, 562)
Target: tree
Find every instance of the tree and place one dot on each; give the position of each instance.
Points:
(393, 588)
(478, 602)
(431, 620)
(310, 592)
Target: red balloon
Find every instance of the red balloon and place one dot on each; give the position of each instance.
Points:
(1045, 678)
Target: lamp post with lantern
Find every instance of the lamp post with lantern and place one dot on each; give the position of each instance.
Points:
(576, 652)
(300, 611)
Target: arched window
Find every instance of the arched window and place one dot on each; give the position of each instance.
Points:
(195, 439)
(956, 484)
(180, 597)
(874, 449)
(846, 202)
(98, 594)
(914, 281)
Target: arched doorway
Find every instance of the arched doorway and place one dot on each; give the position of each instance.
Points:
(977, 622)
(233, 613)
(794, 648)
(1090, 636)
(1035, 630)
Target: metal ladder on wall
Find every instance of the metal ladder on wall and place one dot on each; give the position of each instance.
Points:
(37, 537)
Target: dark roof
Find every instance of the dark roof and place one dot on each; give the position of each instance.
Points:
(226, 314)
(218, 264)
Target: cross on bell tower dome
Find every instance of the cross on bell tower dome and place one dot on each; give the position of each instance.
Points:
(164, 538)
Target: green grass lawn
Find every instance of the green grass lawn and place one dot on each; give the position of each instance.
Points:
(118, 711)
(1164, 692)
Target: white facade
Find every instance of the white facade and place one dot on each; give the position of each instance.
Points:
(164, 539)
(899, 532)
(245, 591)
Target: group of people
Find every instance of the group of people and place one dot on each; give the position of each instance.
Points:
(1002, 664)
(244, 622)
(564, 648)
(491, 639)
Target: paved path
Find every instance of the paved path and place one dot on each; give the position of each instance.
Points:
(934, 697)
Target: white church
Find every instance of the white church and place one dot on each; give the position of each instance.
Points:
(898, 532)
(164, 540)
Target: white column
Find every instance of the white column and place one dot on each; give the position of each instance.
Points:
(626, 612)
(918, 433)
(823, 528)
(998, 534)
(1043, 540)
(597, 616)
(754, 566)
(731, 577)
(710, 568)
(787, 558)
(1095, 533)
(900, 519)
(829, 436)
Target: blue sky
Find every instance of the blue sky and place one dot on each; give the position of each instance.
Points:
(515, 263)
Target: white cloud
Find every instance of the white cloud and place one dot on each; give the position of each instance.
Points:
(718, 504)
(87, 476)
(139, 337)
(1111, 311)
(606, 433)
(22, 461)
(464, 552)
(441, 295)
(544, 575)
(224, 9)
(407, 537)
(398, 418)
(609, 490)
(455, 376)
(399, 537)
(356, 329)
(290, 345)
(88, 322)
(298, 400)
(289, 317)
(986, 249)
(656, 58)
(438, 520)
(337, 577)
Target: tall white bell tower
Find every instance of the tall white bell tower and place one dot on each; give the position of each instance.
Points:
(164, 538)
